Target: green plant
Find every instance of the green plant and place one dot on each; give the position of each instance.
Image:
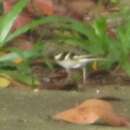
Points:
(8, 20)
(7, 65)
(108, 1)
(7, 59)
(95, 40)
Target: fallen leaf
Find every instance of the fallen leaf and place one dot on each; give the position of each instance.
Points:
(4, 81)
(18, 60)
(94, 66)
(90, 112)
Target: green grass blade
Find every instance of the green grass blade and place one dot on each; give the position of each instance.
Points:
(12, 56)
(67, 23)
(8, 20)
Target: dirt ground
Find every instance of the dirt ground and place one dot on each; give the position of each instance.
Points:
(57, 78)
(31, 110)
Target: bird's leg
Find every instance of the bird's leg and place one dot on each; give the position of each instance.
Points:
(69, 75)
(84, 74)
(82, 86)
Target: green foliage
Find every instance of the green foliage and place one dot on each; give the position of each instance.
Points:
(6, 60)
(8, 20)
(95, 40)
(108, 1)
(22, 71)
(19, 71)
(123, 41)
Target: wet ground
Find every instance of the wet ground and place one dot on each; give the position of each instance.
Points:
(29, 110)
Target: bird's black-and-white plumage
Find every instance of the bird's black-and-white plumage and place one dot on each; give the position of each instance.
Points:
(71, 61)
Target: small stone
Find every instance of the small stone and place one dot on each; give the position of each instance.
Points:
(97, 91)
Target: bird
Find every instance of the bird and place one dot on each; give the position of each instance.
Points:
(69, 60)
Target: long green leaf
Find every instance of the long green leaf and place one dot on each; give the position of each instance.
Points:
(67, 23)
(12, 56)
(8, 20)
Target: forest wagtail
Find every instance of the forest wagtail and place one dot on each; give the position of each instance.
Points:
(71, 61)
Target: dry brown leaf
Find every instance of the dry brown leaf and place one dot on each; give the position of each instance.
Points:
(5, 80)
(90, 111)
(94, 66)
(18, 60)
